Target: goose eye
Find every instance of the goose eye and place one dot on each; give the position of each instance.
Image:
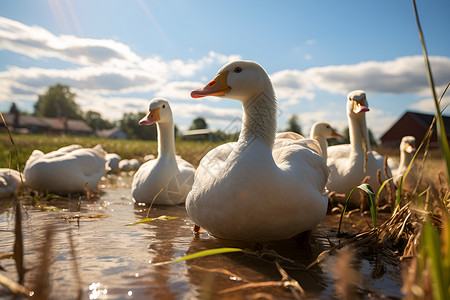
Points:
(328, 127)
(238, 70)
(164, 106)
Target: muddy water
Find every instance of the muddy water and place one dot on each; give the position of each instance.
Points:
(115, 261)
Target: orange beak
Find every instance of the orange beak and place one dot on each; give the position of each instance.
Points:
(358, 108)
(151, 117)
(409, 148)
(217, 87)
(335, 134)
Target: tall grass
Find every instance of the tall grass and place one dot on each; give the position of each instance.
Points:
(442, 136)
(435, 247)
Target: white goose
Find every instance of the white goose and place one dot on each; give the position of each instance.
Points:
(346, 162)
(10, 182)
(113, 160)
(321, 131)
(66, 170)
(251, 190)
(407, 150)
(168, 172)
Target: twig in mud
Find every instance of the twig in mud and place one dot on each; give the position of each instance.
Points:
(7, 255)
(380, 233)
(390, 187)
(286, 281)
(151, 204)
(253, 285)
(296, 289)
(15, 287)
(221, 271)
(78, 217)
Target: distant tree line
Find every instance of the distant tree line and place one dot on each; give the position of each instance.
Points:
(59, 101)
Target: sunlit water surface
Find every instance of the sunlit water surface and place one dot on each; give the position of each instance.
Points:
(115, 261)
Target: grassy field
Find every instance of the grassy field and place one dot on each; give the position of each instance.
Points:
(189, 150)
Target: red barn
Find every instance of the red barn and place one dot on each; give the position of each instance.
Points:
(415, 124)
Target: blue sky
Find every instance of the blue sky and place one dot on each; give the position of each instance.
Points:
(118, 55)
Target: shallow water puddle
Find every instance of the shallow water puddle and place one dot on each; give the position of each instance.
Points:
(115, 261)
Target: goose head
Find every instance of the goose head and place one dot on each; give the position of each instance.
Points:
(408, 144)
(158, 112)
(323, 129)
(239, 80)
(357, 104)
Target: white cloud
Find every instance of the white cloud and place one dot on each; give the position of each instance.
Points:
(429, 106)
(108, 75)
(111, 108)
(101, 80)
(378, 121)
(179, 90)
(36, 42)
(292, 85)
(402, 75)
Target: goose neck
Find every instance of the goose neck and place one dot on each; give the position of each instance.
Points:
(323, 145)
(405, 158)
(359, 135)
(259, 120)
(166, 139)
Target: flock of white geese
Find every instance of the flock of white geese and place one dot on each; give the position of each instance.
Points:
(266, 186)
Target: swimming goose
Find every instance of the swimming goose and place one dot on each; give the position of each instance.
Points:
(168, 172)
(321, 131)
(10, 182)
(66, 170)
(252, 190)
(346, 162)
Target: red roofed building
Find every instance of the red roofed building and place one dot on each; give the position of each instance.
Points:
(415, 124)
(32, 124)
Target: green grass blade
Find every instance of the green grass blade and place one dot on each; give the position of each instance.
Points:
(382, 187)
(152, 219)
(201, 254)
(426, 139)
(432, 247)
(441, 134)
(371, 198)
(345, 208)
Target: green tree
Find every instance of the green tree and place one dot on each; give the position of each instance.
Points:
(346, 139)
(293, 125)
(13, 109)
(198, 123)
(58, 101)
(130, 124)
(94, 119)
